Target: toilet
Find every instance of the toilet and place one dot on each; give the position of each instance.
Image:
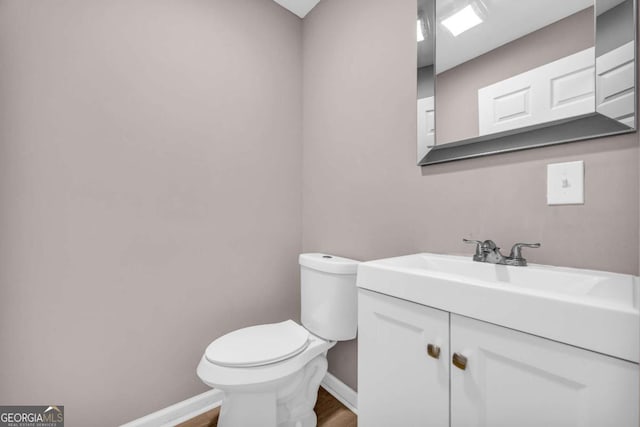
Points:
(270, 374)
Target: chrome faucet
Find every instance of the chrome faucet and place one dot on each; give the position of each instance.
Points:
(487, 251)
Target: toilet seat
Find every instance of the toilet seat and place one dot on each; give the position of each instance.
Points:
(231, 377)
(258, 345)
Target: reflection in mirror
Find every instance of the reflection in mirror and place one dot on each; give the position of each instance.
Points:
(565, 72)
(426, 96)
(491, 92)
(615, 60)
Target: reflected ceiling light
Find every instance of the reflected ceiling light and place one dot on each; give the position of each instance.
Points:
(462, 20)
(423, 27)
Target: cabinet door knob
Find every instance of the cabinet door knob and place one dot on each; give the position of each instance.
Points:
(433, 351)
(459, 361)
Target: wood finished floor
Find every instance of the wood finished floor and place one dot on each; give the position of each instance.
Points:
(330, 412)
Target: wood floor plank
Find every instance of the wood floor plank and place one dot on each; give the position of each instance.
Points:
(330, 413)
(208, 419)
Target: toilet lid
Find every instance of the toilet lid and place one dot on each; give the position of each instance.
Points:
(258, 345)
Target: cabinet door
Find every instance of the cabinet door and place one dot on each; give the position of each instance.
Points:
(516, 379)
(399, 383)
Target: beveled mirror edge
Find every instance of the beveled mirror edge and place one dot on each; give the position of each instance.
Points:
(488, 145)
(575, 130)
(423, 146)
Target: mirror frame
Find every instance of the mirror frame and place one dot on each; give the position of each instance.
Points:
(575, 129)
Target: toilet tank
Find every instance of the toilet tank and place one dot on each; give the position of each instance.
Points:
(329, 298)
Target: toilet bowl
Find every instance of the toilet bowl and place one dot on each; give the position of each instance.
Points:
(270, 374)
(264, 392)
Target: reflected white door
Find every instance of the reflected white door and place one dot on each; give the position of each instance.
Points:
(426, 126)
(616, 84)
(557, 90)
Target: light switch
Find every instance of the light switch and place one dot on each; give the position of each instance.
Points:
(565, 183)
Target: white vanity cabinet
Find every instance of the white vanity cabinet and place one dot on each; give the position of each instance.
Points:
(510, 378)
(517, 379)
(399, 383)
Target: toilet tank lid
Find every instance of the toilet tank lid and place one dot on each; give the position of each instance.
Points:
(329, 263)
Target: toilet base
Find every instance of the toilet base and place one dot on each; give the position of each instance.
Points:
(286, 402)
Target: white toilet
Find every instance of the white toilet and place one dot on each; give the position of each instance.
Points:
(270, 373)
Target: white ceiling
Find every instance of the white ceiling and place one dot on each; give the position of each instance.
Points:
(506, 20)
(299, 7)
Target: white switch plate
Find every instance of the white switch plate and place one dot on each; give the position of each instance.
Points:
(565, 183)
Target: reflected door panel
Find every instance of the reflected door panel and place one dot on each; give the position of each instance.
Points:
(616, 84)
(426, 126)
(558, 90)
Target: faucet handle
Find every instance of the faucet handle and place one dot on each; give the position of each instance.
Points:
(477, 242)
(478, 255)
(516, 250)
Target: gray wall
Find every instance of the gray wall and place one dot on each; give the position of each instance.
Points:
(149, 194)
(425, 82)
(365, 199)
(614, 27)
(458, 87)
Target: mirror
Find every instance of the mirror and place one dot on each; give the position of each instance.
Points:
(426, 82)
(511, 75)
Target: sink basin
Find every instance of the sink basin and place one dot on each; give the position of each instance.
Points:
(610, 287)
(591, 309)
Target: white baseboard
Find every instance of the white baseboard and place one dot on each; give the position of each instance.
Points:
(345, 394)
(190, 408)
(180, 412)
